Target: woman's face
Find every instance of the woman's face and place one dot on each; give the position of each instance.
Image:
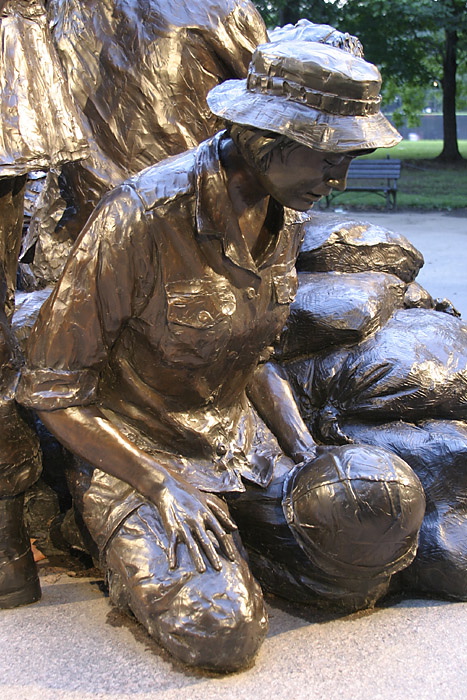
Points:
(298, 176)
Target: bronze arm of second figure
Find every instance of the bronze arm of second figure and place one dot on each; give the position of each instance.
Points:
(187, 513)
(270, 393)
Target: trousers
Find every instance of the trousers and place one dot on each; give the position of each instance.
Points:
(215, 619)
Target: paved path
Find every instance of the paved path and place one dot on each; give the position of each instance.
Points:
(72, 646)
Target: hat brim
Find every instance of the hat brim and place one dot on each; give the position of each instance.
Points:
(233, 102)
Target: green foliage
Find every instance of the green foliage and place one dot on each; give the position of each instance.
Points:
(411, 100)
(397, 35)
(408, 39)
(279, 12)
(416, 44)
(405, 38)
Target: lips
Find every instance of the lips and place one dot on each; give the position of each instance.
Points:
(316, 195)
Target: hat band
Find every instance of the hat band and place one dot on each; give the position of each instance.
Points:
(323, 101)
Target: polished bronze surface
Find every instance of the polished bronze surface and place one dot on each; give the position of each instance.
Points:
(196, 423)
(39, 128)
(139, 73)
(151, 363)
(311, 92)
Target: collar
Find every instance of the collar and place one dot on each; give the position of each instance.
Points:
(215, 216)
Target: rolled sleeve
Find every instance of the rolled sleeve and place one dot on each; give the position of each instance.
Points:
(106, 278)
(47, 390)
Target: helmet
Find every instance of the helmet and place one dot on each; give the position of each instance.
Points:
(356, 510)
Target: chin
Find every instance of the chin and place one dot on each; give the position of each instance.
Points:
(296, 204)
(301, 206)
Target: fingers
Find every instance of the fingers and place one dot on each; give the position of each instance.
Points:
(172, 551)
(221, 515)
(228, 546)
(199, 542)
(204, 534)
(209, 549)
(180, 533)
(224, 539)
(195, 553)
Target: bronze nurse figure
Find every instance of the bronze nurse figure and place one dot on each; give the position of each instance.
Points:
(151, 363)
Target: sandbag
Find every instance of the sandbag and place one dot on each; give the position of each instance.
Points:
(333, 308)
(437, 452)
(417, 297)
(332, 243)
(414, 367)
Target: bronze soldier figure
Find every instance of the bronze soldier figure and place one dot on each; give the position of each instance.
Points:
(151, 363)
(139, 72)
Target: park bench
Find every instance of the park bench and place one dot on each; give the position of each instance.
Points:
(367, 175)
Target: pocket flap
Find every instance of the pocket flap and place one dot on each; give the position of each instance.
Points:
(285, 283)
(199, 303)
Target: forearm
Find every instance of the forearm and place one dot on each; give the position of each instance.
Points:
(86, 432)
(271, 395)
(186, 513)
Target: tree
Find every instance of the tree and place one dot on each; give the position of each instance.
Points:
(280, 12)
(416, 43)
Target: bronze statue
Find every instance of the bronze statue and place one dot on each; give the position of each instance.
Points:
(151, 363)
(139, 72)
(39, 128)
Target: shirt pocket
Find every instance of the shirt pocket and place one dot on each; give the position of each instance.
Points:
(284, 283)
(199, 314)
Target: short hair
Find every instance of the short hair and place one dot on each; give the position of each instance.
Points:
(257, 145)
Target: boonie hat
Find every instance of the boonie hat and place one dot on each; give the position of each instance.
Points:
(316, 94)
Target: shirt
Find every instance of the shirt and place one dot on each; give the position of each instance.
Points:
(161, 317)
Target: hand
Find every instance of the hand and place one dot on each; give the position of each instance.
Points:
(305, 449)
(188, 516)
(304, 456)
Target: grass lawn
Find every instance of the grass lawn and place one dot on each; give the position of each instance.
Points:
(425, 183)
(416, 150)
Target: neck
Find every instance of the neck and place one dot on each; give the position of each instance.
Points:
(249, 199)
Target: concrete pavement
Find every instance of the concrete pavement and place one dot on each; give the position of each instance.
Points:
(73, 646)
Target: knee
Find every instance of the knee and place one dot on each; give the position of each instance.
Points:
(216, 620)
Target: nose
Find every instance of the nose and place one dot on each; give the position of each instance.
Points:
(337, 178)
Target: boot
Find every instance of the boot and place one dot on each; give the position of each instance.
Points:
(19, 582)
